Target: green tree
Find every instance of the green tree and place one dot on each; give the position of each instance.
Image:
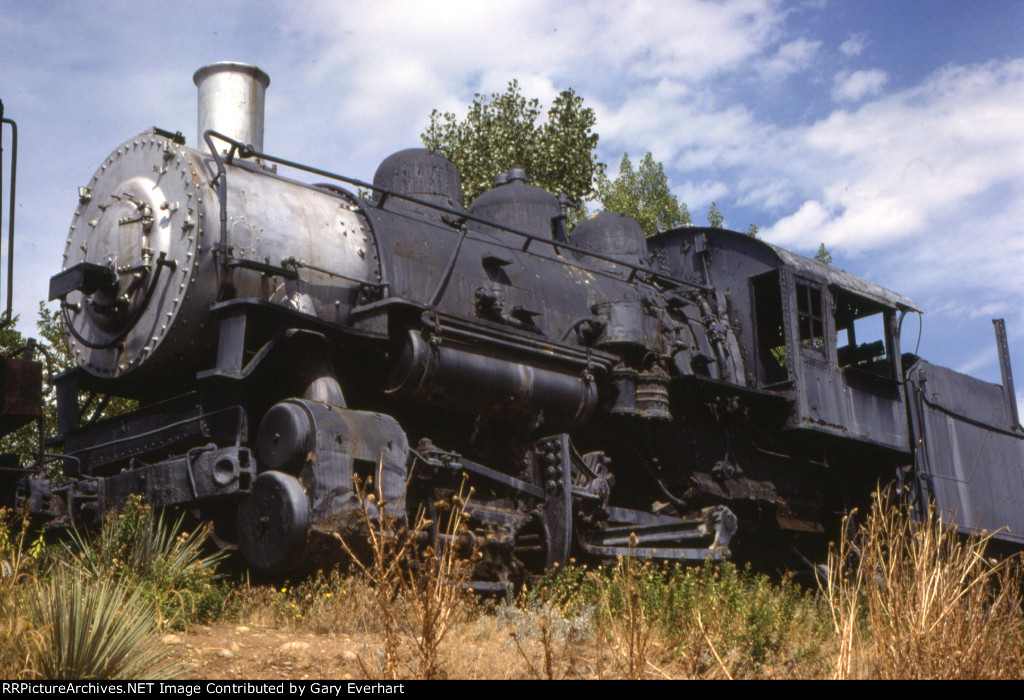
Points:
(503, 131)
(54, 344)
(823, 256)
(51, 331)
(643, 194)
(715, 216)
(752, 231)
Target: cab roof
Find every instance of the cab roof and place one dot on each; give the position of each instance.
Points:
(833, 276)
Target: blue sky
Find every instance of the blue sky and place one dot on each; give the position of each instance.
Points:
(891, 131)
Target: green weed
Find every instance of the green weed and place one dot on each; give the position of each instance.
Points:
(143, 550)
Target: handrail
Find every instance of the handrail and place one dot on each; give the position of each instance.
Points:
(247, 151)
(222, 187)
(7, 318)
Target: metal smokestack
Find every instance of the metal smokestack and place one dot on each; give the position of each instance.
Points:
(231, 97)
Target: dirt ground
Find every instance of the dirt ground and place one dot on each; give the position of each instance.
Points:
(253, 653)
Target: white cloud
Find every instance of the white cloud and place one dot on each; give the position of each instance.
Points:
(698, 196)
(402, 59)
(756, 193)
(682, 127)
(682, 40)
(853, 45)
(792, 57)
(853, 87)
(804, 223)
(921, 191)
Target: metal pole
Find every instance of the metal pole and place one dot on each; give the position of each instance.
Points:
(8, 316)
(1004, 368)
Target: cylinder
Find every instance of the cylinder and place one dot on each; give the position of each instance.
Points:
(491, 382)
(231, 99)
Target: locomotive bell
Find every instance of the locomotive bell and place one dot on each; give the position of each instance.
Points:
(231, 100)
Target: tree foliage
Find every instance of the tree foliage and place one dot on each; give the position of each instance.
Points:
(823, 256)
(504, 130)
(644, 195)
(715, 216)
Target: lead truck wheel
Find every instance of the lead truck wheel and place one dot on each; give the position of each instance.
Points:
(273, 523)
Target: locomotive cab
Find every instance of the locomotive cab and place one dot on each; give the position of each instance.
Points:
(826, 340)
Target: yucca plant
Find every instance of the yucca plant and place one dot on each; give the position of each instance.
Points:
(145, 551)
(94, 629)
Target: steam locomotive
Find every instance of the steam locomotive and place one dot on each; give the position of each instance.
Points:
(685, 396)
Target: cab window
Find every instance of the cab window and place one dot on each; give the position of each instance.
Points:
(810, 316)
(862, 341)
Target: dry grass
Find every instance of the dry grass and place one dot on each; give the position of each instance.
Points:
(640, 619)
(326, 603)
(553, 645)
(912, 599)
(418, 576)
(905, 599)
(18, 560)
(632, 628)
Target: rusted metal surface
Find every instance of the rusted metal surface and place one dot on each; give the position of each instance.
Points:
(21, 393)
